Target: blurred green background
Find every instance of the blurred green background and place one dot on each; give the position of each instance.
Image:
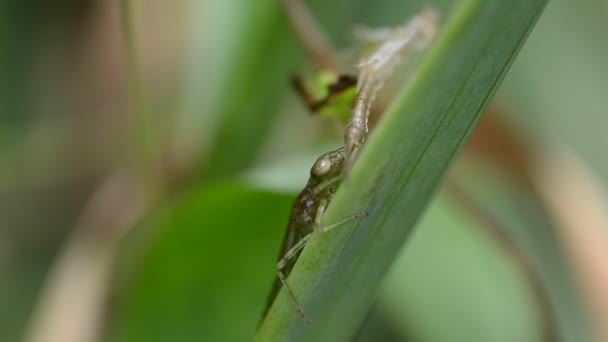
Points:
(123, 146)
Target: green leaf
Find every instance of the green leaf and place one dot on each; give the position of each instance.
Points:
(451, 283)
(207, 271)
(524, 218)
(250, 91)
(541, 101)
(402, 164)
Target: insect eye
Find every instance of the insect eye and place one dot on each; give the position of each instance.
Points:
(321, 167)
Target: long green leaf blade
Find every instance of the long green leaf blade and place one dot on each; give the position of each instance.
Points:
(399, 169)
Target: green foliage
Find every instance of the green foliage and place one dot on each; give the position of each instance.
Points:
(248, 94)
(451, 283)
(208, 269)
(398, 170)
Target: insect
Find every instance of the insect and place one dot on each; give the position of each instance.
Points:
(306, 215)
(332, 93)
(378, 66)
(335, 94)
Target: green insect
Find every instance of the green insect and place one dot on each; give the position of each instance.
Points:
(332, 91)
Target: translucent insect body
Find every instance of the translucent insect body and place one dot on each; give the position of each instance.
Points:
(378, 66)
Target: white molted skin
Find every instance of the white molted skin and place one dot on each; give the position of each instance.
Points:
(378, 66)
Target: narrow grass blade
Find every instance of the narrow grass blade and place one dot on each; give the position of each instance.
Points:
(399, 169)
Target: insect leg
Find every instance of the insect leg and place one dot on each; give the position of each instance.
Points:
(341, 222)
(298, 85)
(321, 211)
(281, 265)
